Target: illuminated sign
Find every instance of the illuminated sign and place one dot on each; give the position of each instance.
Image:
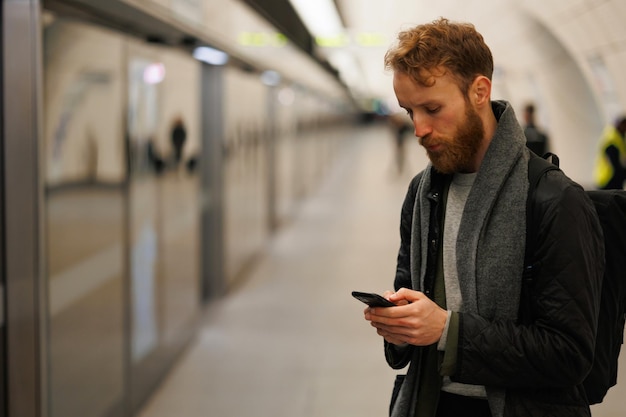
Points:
(336, 41)
(262, 39)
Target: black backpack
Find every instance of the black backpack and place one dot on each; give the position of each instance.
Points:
(611, 208)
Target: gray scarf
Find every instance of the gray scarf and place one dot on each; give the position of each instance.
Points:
(491, 240)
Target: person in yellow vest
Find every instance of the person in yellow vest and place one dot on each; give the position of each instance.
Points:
(610, 171)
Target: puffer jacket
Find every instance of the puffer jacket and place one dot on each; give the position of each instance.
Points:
(541, 359)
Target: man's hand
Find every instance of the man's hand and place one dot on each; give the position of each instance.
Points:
(416, 320)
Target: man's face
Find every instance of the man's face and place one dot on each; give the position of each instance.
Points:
(448, 127)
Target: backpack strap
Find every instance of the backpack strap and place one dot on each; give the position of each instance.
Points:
(537, 167)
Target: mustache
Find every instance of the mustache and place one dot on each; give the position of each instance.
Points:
(427, 140)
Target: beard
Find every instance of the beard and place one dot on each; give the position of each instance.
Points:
(459, 151)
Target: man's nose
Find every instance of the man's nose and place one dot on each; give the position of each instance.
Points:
(421, 127)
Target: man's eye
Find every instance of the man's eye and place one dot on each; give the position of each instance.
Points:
(410, 113)
(432, 110)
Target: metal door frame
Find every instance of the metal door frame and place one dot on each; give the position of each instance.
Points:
(212, 200)
(3, 358)
(22, 215)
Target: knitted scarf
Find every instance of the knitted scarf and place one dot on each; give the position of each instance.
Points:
(491, 240)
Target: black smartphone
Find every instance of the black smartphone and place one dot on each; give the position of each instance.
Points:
(372, 299)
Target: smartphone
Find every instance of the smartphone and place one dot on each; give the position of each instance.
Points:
(372, 300)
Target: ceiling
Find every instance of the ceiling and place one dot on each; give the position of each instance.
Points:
(512, 29)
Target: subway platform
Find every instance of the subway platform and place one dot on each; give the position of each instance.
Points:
(290, 341)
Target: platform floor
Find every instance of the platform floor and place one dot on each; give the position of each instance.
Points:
(290, 341)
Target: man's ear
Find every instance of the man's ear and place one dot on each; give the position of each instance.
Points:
(480, 91)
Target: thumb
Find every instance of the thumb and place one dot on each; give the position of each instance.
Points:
(407, 294)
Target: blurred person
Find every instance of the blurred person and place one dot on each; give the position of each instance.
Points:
(400, 129)
(475, 345)
(536, 139)
(178, 137)
(610, 170)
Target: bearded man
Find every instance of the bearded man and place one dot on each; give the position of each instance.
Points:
(476, 345)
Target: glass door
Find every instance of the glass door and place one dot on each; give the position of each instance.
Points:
(84, 212)
(164, 208)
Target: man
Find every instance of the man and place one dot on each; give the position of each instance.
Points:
(475, 346)
(401, 129)
(536, 139)
(610, 171)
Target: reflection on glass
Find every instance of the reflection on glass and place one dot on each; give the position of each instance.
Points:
(144, 78)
